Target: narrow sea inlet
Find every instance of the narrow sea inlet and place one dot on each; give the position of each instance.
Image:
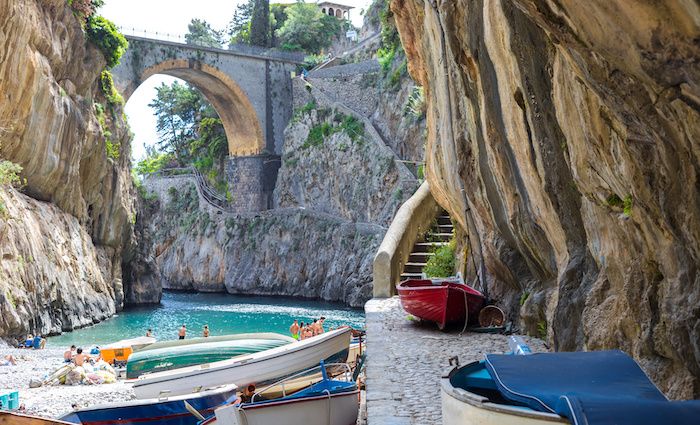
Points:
(225, 314)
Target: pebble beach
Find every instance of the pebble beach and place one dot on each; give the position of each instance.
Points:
(53, 401)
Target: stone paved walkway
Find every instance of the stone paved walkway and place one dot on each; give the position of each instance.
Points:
(405, 360)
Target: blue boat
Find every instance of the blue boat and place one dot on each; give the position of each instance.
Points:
(592, 388)
(165, 411)
(326, 402)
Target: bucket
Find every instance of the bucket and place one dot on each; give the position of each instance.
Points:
(14, 400)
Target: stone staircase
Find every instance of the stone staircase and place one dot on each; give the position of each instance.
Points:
(439, 234)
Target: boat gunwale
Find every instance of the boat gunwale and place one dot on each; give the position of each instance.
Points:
(145, 401)
(260, 405)
(441, 285)
(482, 402)
(177, 343)
(199, 370)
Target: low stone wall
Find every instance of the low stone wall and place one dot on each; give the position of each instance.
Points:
(411, 221)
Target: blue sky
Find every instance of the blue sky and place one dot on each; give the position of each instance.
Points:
(172, 17)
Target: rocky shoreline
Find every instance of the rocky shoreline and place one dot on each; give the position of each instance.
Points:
(53, 401)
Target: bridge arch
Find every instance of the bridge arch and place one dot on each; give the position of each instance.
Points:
(239, 118)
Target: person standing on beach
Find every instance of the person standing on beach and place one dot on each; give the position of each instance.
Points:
(205, 332)
(149, 333)
(294, 330)
(181, 333)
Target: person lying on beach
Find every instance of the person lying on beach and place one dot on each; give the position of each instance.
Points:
(68, 354)
(81, 358)
(8, 360)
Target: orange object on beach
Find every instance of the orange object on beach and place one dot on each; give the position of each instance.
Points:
(118, 352)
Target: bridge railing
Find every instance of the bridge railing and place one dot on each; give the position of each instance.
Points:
(209, 194)
(244, 49)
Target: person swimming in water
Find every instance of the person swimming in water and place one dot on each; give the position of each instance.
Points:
(182, 332)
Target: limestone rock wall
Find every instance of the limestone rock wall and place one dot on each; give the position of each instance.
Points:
(572, 129)
(286, 251)
(52, 277)
(350, 178)
(49, 84)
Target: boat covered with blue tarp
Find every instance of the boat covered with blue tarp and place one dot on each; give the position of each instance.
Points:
(591, 388)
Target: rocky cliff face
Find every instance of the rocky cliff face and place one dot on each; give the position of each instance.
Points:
(285, 251)
(49, 86)
(54, 278)
(572, 130)
(347, 174)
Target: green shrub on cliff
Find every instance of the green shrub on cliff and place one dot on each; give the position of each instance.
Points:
(104, 34)
(111, 94)
(442, 263)
(9, 174)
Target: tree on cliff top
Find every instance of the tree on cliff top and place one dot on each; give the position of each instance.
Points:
(199, 32)
(307, 28)
(239, 27)
(260, 24)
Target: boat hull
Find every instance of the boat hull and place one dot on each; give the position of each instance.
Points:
(258, 368)
(12, 418)
(440, 302)
(462, 407)
(336, 409)
(166, 411)
(173, 357)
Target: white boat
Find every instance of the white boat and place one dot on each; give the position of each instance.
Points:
(257, 368)
(331, 401)
(465, 401)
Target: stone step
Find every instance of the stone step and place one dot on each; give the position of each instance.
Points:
(419, 257)
(442, 229)
(444, 219)
(413, 267)
(427, 246)
(439, 237)
(405, 276)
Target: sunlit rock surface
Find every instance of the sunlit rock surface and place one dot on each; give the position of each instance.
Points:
(49, 82)
(573, 130)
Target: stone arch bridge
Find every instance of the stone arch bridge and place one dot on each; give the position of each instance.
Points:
(251, 90)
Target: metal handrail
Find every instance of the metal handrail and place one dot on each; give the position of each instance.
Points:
(233, 48)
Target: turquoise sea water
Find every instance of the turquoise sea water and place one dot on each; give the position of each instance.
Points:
(225, 314)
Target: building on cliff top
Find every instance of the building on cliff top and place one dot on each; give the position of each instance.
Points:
(340, 11)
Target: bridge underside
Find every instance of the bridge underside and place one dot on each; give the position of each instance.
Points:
(240, 120)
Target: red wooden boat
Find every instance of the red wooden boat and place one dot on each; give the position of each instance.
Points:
(440, 301)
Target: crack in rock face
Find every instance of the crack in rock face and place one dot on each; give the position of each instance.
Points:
(573, 132)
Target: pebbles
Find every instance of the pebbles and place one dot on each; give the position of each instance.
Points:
(52, 401)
